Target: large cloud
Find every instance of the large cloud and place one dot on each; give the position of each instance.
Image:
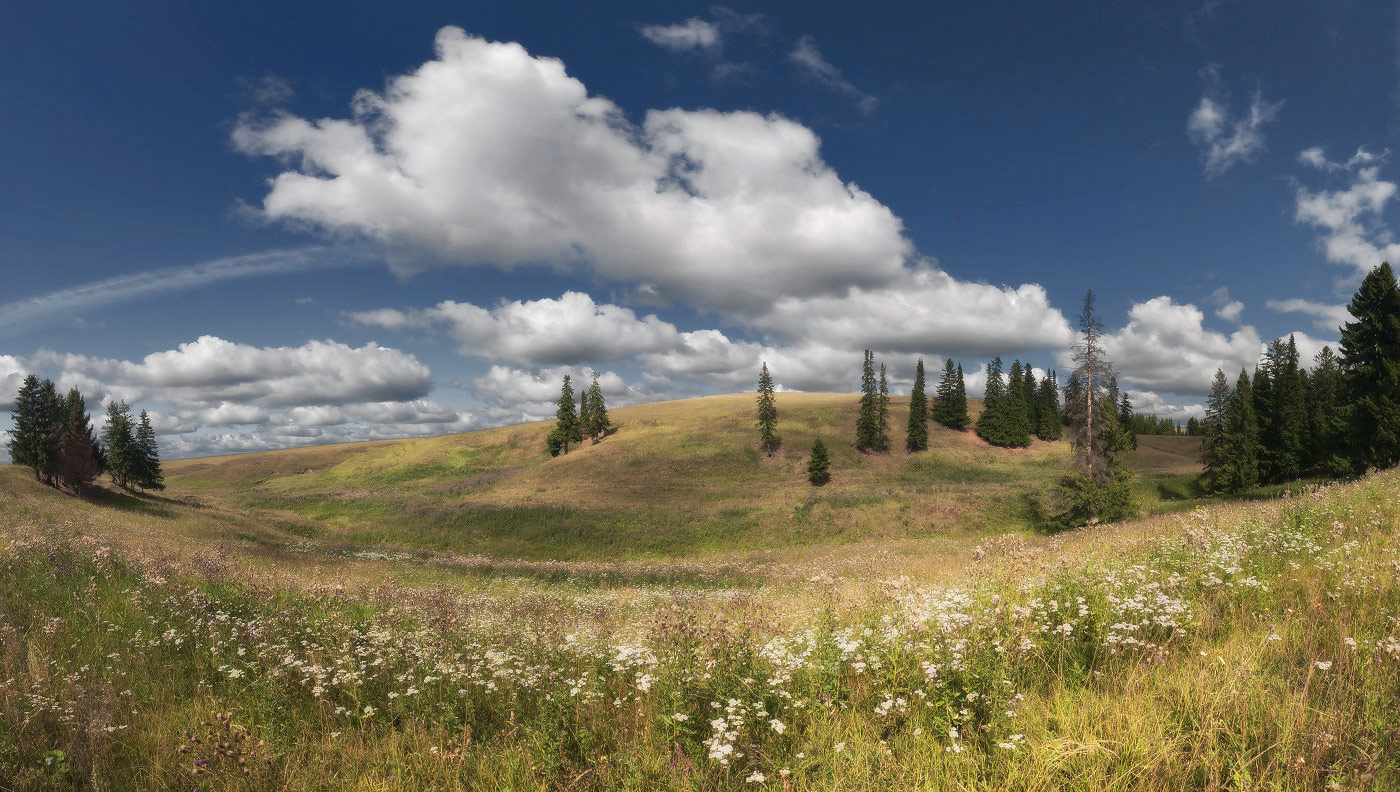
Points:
(489, 155)
(1354, 231)
(1166, 347)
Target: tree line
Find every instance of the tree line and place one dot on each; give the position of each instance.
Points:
(1341, 417)
(54, 437)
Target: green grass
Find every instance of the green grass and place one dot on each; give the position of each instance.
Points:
(676, 480)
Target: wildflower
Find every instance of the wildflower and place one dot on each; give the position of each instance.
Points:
(839, 747)
(1323, 665)
(680, 717)
(755, 778)
(777, 726)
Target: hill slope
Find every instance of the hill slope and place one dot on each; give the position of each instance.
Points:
(676, 479)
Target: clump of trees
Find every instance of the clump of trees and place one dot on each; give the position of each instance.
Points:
(573, 421)
(54, 437)
(950, 401)
(1341, 417)
(1017, 407)
(873, 421)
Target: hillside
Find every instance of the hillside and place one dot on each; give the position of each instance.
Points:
(676, 479)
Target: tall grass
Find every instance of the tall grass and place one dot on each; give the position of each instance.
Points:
(1249, 647)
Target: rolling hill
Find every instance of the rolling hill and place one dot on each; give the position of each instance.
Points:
(676, 478)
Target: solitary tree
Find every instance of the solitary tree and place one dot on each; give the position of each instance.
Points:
(916, 439)
(819, 463)
(1212, 433)
(1370, 363)
(767, 411)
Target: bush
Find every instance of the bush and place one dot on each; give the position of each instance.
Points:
(819, 464)
(1086, 501)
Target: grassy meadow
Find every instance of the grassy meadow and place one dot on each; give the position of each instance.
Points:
(670, 609)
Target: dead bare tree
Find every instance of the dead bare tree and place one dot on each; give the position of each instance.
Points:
(1090, 424)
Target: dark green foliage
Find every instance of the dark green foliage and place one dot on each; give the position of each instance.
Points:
(1049, 425)
(882, 414)
(79, 456)
(566, 423)
(119, 442)
(1087, 503)
(1125, 422)
(1326, 418)
(555, 442)
(1030, 393)
(1193, 427)
(1004, 421)
(1262, 396)
(1233, 458)
(1286, 442)
(1370, 364)
(594, 416)
(767, 410)
(950, 400)
(916, 439)
(867, 418)
(27, 438)
(1143, 424)
(819, 463)
(1212, 431)
(147, 457)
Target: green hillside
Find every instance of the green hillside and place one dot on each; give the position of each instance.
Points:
(676, 479)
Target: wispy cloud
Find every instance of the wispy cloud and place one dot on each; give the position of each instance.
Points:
(1226, 140)
(1351, 219)
(690, 35)
(47, 308)
(810, 59)
(1326, 316)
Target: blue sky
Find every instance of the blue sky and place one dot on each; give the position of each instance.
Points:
(275, 224)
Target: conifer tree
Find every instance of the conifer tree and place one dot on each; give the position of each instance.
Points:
(48, 426)
(950, 401)
(1126, 423)
(1213, 432)
(119, 442)
(1092, 384)
(585, 413)
(1327, 419)
(767, 411)
(916, 438)
(1262, 393)
(598, 423)
(1370, 364)
(991, 423)
(1016, 426)
(882, 413)
(868, 419)
(1288, 435)
(1049, 425)
(1238, 448)
(819, 463)
(566, 424)
(1031, 394)
(148, 456)
(27, 438)
(79, 456)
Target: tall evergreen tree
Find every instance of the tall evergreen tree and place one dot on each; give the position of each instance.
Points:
(1370, 363)
(1125, 422)
(148, 456)
(119, 442)
(1049, 425)
(79, 456)
(585, 413)
(992, 422)
(1239, 441)
(48, 424)
(882, 413)
(566, 424)
(1092, 384)
(767, 410)
(916, 438)
(868, 419)
(1213, 432)
(26, 439)
(950, 400)
(1031, 394)
(1327, 419)
(1016, 427)
(1262, 394)
(1288, 428)
(598, 423)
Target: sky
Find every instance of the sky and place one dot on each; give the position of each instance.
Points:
(278, 224)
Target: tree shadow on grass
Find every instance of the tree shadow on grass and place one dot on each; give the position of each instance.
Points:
(138, 502)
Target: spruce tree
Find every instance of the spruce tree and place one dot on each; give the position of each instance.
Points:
(1016, 427)
(1126, 422)
(79, 456)
(819, 463)
(882, 413)
(148, 456)
(48, 426)
(1370, 364)
(767, 411)
(26, 439)
(585, 413)
(991, 424)
(119, 442)
(916, 438)
(1327, 419)
(1213, 433)
(1031, 394)
(950, 400)
(1262, 393)
(598, 423)
(566, 423)
(1289, 425)
(1239, 441)
(868, 419)
(1049, 425)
